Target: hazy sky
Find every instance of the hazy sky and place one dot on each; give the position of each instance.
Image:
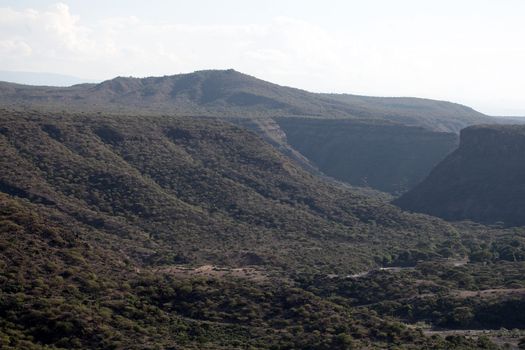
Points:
(472, 52)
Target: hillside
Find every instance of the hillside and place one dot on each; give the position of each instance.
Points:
(483, 180)
(199, 187)
(430, 114)
(65, 284)
(133, 232)
(232, 94)
(265, 108)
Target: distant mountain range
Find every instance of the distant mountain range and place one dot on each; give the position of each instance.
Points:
(483, 180)
(228, 93)
(42, 79)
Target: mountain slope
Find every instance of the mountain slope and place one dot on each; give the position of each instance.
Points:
(198, 188)
(483, 180)
(264, 107)
(67, 285)
(133, 232)
(233, 94)
(430, 114)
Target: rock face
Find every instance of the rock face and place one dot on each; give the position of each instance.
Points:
(386, 156)
(483, 180)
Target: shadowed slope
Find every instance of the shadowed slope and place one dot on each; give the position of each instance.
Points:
(483, 180)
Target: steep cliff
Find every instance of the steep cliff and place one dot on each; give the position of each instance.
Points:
(386, 156)
(483, 180)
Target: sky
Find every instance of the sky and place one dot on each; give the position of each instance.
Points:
(465, 51)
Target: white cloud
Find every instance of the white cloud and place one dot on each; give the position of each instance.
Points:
(432, 57)
(57, 41)
(14, 48)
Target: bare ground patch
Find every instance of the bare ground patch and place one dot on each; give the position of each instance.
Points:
(250, 273)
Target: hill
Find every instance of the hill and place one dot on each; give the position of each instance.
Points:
(265, 108)
(199, 187)
(430, 114)
(141, 232)
(67, 285)
(483, 180)
(232, 94)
